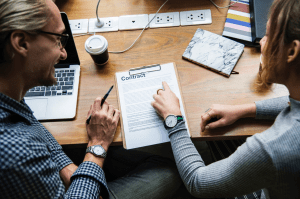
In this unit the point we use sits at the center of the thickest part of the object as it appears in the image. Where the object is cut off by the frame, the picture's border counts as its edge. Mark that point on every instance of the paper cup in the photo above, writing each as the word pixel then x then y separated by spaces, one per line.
pixel 96 46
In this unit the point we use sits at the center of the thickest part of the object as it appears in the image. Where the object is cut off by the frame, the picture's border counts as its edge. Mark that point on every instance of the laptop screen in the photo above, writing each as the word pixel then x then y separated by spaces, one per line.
pixel 72 58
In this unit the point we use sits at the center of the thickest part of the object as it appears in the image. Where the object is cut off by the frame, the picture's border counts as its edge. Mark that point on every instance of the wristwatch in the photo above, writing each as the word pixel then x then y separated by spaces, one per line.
pixel 97 150
pixel 172 120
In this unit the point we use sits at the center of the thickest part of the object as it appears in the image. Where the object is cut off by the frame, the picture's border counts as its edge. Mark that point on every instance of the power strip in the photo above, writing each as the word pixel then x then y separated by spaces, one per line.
pixel 165 20
pixel 134 22
pixel 110 24
pixel 79 26
pixel 195 17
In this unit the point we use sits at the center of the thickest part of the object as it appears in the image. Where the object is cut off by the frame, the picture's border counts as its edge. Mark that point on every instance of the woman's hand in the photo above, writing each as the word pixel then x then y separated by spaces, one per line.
pixel 225 115
pixel 166 103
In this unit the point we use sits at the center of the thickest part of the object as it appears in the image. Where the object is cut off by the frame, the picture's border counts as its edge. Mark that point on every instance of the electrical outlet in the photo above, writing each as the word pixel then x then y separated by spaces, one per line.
pixel 132 22
pixel 164 20
pixel 110 24
pixel 198 17
pixel 79 26
pixel 195 17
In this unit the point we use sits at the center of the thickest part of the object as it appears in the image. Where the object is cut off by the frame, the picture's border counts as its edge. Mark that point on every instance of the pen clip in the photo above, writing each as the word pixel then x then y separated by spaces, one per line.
pixel 144 69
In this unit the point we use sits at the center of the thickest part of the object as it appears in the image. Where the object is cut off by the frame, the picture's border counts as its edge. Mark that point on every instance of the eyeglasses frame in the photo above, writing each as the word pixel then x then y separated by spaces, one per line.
pixel 63 44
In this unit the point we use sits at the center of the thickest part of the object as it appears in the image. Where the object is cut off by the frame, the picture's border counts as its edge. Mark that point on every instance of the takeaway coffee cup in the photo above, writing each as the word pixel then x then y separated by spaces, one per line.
pixel 96 46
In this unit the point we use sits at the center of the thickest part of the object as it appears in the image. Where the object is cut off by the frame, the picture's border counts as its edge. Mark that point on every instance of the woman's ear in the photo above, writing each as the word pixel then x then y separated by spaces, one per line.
pixel 293 51
pixel 19 42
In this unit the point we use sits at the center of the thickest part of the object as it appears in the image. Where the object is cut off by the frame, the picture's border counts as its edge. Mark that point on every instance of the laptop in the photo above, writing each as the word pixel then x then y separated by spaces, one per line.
pixel 58 101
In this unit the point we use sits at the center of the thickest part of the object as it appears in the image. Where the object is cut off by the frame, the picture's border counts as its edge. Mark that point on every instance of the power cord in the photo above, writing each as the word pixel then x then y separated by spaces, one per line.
pixel 225 6
pixel 98 23
pixel 117 52
pixel 140 33
pixel 77 35
pixel 154 17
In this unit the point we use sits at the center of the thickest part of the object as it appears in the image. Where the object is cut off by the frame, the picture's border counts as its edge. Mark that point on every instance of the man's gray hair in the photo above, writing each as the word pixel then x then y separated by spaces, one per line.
pixel 26 15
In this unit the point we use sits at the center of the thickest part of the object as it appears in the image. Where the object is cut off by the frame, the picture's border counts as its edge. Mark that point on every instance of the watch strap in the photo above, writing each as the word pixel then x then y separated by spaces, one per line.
pixel 90 149
pixel 179 119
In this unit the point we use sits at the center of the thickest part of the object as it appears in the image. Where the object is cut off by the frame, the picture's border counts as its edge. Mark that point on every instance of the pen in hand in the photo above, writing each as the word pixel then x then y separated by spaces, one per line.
pixel 102 101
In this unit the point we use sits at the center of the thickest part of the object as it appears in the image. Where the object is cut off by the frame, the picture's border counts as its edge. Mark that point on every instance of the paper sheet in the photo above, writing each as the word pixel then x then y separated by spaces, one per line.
pixel 141 123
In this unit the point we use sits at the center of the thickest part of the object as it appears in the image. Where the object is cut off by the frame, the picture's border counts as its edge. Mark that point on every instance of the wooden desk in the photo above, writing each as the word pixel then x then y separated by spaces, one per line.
pixel 200 87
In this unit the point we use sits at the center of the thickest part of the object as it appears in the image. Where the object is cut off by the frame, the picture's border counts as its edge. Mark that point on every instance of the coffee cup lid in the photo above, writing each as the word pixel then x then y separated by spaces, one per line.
pixel 96 44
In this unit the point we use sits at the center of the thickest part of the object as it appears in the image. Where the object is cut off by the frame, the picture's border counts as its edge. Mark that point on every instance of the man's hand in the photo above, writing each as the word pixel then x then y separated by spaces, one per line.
pixel 225 115
pixel 103 124
pixel 166 103
pixel 66 174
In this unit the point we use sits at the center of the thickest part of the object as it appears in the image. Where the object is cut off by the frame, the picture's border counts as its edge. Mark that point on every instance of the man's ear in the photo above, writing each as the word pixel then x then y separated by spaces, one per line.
pixel 20 42
pixel 293 51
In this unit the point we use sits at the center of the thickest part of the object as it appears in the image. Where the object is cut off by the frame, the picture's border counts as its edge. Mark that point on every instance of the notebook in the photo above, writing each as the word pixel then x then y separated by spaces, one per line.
pixel 237 24
pixel 58 101
pixel 214 52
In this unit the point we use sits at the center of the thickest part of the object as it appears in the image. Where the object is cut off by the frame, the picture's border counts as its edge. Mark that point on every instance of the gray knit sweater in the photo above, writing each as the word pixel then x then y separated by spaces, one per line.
pixel 269 160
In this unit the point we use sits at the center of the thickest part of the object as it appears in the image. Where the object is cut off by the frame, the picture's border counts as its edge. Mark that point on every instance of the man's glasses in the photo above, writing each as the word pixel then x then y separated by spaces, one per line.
pixel 63 37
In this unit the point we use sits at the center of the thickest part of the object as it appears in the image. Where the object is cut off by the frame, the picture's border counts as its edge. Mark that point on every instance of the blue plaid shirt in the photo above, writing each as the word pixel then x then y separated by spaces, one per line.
pixel 30 159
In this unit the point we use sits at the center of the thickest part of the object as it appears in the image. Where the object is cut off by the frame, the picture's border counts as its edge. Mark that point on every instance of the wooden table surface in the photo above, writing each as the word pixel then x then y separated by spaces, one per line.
pixel 200 87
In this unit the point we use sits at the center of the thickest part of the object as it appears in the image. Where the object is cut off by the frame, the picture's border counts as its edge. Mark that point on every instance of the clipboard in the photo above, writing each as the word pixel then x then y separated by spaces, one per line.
pixel 137 74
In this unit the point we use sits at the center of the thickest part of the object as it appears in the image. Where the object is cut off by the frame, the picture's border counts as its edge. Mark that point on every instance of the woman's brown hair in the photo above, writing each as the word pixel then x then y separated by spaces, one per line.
pixel 284 26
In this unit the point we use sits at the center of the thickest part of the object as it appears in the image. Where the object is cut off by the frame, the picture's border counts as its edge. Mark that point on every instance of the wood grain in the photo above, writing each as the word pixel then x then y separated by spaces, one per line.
pixel 200 87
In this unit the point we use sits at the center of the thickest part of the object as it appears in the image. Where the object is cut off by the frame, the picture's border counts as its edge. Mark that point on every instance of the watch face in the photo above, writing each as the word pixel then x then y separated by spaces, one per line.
pixel 171 121
pixel 98 150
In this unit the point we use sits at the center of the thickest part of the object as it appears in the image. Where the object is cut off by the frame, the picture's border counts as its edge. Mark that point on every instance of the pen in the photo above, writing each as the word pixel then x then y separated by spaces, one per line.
pixel 102 101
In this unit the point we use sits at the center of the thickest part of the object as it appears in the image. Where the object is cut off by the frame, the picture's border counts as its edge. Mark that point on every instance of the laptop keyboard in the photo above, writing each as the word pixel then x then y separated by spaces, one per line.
pixel 64 86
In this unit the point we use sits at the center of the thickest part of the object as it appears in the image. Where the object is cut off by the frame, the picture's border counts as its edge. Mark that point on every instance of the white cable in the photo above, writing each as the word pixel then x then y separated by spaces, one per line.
pixel 147 24
pixel 77 35
pixel 97 10
pixel 225 6
pixel 141 32
pixel 98 23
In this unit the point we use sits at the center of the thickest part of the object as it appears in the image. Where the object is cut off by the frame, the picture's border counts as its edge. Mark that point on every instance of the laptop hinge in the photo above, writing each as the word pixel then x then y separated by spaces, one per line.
pixel 62 66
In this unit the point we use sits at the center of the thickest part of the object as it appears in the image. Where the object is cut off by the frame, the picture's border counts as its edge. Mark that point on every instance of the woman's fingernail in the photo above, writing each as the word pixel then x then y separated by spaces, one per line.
pixel 207 127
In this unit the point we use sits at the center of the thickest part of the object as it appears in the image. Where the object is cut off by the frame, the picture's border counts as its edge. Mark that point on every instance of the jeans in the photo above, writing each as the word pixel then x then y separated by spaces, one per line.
pixel 135 174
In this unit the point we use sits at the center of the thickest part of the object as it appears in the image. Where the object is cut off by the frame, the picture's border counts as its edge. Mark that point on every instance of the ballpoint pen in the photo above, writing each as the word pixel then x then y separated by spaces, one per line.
pixel 102 101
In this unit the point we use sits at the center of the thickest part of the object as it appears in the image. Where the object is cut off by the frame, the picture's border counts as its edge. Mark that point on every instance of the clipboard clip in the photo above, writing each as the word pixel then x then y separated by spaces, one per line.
pixel 144 69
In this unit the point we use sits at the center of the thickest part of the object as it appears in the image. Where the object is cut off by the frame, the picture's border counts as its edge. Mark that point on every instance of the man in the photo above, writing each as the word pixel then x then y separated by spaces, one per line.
pixel 32 163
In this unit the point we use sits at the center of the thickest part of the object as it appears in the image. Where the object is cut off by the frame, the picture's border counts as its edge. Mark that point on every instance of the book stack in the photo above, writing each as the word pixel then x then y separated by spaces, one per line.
pixel 237 24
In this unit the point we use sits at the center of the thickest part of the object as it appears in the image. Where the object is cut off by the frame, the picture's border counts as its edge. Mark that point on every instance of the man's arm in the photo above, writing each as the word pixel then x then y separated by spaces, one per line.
pixel 100 130
pixel 64 163
pixel 27 169
pixel 66 173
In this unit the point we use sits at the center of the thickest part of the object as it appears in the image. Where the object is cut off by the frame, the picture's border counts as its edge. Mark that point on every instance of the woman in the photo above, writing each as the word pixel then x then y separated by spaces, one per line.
pixel 269 160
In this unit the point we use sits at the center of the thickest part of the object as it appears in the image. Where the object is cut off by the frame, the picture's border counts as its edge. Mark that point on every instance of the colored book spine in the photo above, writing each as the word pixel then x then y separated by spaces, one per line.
pixel 237 24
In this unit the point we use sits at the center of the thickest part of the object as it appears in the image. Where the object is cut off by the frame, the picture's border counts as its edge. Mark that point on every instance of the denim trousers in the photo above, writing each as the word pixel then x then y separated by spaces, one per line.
pixel 140 175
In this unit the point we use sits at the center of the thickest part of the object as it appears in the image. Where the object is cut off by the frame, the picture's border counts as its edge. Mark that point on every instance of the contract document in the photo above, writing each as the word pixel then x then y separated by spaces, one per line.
pixel 141 124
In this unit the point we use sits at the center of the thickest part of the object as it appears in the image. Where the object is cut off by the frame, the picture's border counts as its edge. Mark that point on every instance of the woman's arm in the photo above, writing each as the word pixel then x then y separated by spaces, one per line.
pixel 248 169
pixel 270 108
